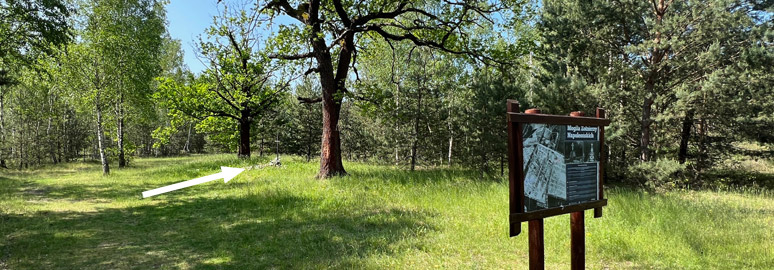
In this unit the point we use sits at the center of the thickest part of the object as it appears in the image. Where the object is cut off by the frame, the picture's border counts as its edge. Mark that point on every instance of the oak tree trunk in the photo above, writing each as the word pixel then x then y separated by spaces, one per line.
pixel 330 149
pixel 244 137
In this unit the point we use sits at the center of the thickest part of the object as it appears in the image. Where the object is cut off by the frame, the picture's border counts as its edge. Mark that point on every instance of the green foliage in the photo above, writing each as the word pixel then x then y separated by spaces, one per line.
pixel 410 94
pixel 301 133
pixel 28 29
pixel 239 86
pixel 682 77
pixel 659 174
pixel 101 80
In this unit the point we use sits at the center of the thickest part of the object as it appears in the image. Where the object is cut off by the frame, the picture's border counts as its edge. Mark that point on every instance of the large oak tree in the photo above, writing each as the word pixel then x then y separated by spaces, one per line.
pixel 326 34
pixel 240 84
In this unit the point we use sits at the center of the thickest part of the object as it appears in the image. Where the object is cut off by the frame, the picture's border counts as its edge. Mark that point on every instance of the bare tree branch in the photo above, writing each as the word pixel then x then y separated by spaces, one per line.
pixel 311 70
pixel 342 13
pixel 429 43
pixel 284 6
pixel 292 56
pixel 242 57
pixel 304 100
pixel 383 15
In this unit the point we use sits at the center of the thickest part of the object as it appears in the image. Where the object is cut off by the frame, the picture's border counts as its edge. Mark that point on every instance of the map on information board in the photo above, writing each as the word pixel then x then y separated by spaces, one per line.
pixel 561 165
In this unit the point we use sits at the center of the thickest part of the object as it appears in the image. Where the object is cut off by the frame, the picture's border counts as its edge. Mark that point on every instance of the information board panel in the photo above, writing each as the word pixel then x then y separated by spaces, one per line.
pixel 561 165
pixel 555 165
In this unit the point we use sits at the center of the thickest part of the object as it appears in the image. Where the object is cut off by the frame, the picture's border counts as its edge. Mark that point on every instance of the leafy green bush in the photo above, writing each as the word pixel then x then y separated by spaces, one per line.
pixel 659 174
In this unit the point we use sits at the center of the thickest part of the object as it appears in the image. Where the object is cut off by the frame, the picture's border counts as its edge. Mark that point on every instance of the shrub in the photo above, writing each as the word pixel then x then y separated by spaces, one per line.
pixel 659 174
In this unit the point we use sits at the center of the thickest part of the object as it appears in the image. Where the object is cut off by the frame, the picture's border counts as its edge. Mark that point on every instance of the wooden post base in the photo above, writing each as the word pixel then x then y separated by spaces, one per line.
pixel 577 241
pixel 536 254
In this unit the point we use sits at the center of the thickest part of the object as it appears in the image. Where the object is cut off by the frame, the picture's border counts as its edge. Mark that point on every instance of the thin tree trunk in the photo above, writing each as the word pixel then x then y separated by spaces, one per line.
pixel 51 142
pixel 20 150
pixel 37 143
pixel 417 118
pixel 120 127
pixel 702 133
pixel 451 143
pixel 187 147
pixel 65 149
pixel 278 146
pixel 451 133
pixel 415 141
pixel 310 139
pixel 645 129
pixel 121 154
pixel 24 154
pixel 59 151
pixel 397 126
pixel 14 149
pixel 484 161
pixel 685 136
pixel 2 128
pixel 100 137
pixel 413 154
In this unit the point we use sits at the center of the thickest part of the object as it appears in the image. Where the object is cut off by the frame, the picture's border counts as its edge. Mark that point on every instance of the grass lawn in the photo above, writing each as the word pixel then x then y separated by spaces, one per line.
pixel 378 217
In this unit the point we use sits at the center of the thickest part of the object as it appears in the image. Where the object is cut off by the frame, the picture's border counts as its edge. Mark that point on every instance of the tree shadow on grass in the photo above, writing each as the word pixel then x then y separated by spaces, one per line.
pixel 8 184
pixel 99 190
pixel 270 230
pixel 95 192
pixel 188 166
pixel 740 178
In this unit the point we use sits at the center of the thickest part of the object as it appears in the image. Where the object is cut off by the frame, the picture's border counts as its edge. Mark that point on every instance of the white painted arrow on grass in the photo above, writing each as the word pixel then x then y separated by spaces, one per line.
pixel 227 173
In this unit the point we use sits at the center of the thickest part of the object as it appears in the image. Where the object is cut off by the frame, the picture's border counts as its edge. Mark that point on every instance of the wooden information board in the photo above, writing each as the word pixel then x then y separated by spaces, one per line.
pixel 556 164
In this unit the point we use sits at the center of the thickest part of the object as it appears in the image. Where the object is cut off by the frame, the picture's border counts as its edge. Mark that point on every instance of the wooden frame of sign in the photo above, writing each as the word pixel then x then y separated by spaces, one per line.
pixel 563 174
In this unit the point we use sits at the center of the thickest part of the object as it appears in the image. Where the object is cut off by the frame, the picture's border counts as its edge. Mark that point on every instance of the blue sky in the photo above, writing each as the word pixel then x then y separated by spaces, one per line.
pixel 187 20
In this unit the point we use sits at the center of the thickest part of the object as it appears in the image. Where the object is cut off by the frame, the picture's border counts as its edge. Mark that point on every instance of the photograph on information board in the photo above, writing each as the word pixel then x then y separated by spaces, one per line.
pixel 561 165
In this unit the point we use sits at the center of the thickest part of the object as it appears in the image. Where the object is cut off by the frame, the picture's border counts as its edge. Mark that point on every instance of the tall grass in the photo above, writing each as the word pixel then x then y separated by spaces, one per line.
pixel 378 217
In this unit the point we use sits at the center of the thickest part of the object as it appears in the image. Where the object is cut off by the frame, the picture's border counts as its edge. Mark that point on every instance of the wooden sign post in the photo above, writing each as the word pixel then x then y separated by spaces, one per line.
pixel 556 164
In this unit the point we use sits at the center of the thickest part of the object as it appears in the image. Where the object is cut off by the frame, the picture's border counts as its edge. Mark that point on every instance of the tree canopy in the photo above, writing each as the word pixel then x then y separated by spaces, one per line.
pixel 687 84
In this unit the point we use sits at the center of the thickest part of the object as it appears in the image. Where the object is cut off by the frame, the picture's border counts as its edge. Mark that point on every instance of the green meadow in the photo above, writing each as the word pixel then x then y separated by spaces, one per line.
pixel 379 217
